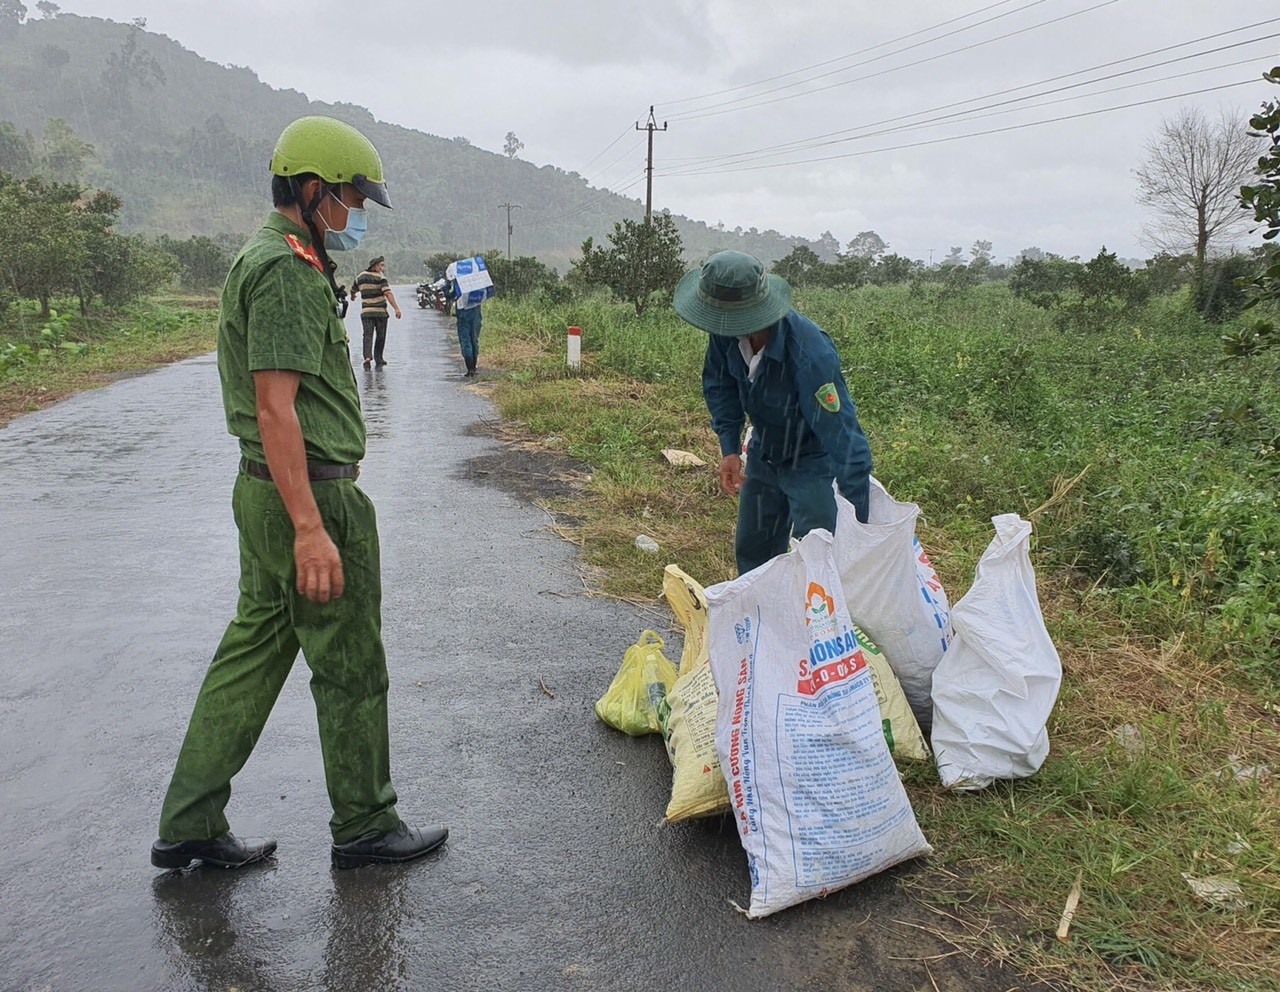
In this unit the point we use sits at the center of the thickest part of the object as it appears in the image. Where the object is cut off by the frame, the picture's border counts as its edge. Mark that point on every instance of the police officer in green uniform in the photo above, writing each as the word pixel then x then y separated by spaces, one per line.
pixel 767 362
pixel 310 575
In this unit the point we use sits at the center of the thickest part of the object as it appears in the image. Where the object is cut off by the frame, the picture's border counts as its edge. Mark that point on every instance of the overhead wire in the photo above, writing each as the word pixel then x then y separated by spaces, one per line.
pixel 841 58
pixel 864 130
pixel 603 150
pixel 599 197
pixel 716 110
pixel 966 116
pixel 972 134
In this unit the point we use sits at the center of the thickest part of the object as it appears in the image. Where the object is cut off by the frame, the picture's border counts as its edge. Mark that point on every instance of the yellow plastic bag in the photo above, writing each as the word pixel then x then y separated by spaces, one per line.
pixel 642 683
pixel 688 714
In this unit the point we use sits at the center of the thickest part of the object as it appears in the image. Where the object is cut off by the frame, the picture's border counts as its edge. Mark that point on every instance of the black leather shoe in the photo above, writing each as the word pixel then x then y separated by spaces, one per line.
pixel 227 851
pixel 402 844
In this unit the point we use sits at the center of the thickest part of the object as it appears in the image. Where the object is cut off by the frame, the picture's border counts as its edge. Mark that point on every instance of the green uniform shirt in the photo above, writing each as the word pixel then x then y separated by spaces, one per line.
pixel 278 312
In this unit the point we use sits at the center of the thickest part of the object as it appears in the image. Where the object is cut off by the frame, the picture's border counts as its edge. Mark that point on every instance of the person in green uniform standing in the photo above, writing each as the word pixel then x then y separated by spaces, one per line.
pixel 310 573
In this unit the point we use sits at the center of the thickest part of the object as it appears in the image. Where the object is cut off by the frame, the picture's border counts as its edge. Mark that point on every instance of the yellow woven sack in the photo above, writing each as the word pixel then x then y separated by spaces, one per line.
pixel 642 683
pixel 901 729
pixel 688 714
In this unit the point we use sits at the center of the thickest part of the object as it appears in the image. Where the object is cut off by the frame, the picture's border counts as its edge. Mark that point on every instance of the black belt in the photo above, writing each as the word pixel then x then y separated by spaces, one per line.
pixel 316 471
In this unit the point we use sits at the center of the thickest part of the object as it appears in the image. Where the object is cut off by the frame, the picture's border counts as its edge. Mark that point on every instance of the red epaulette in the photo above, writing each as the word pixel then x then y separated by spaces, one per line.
pixel 304 252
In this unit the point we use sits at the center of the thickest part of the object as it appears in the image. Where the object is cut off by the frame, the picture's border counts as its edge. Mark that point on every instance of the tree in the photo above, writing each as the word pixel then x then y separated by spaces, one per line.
pixel 522 276
pixel 799 267
pixel 48 10
pixel 1106 292
pixel 129 67
pixel 892 269
pixel 53 58
pixel 827 247
pixel 1262 196
pixel 42 243
pixel 980 255
pixel 954 257
pixel 202 262
pixel 644 262
pixel 868 245
pixel 513 145
pixel 12 13
pixel 1192 177
pixel 17 151
pixel 62 152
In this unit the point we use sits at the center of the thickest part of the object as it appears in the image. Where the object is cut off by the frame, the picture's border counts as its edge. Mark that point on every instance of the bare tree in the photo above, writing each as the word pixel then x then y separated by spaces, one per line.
pixel 1192 177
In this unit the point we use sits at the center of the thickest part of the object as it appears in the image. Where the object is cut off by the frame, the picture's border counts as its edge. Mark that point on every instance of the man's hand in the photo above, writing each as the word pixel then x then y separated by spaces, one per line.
pixel 731 476
pixel 316 559
pixel 319 565
pixel 397 313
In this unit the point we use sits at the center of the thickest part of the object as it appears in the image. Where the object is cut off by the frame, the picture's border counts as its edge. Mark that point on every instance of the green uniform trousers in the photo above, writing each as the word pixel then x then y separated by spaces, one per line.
pixel 342 643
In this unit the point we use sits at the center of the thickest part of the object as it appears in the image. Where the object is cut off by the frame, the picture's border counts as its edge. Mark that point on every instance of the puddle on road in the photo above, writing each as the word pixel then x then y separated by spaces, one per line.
pixel 522 469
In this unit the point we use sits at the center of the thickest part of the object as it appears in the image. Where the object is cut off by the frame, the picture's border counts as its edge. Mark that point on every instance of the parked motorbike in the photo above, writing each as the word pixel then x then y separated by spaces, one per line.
pixel 432 294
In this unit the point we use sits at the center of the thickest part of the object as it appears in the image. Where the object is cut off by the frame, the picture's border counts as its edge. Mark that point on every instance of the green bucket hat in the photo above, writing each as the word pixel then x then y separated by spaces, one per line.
pixel 732 295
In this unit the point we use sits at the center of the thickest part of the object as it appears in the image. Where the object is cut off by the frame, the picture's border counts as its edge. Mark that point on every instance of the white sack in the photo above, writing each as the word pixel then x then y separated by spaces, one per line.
pixel 472 282
pixel 893 593
pixel 995 689
pixel 817 800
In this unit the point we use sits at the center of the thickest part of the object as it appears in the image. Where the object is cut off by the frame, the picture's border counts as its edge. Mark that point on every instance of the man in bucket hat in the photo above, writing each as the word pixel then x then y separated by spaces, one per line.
pixel 769 363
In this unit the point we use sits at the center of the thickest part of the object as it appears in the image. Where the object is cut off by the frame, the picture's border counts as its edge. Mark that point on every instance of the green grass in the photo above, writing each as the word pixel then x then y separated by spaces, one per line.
pixel 43 360
pixel 1157 570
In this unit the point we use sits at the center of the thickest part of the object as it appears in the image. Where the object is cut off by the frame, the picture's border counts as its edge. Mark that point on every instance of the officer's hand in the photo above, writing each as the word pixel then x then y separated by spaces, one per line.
pixel 319 565
pixel 731 474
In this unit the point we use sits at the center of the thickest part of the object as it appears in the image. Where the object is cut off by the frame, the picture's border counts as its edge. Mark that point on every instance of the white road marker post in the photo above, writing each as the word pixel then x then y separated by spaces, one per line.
pixel 575 347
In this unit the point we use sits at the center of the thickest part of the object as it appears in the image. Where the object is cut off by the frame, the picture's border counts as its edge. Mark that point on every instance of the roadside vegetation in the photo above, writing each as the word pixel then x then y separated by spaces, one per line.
pixel 1150 466
pixel 44 359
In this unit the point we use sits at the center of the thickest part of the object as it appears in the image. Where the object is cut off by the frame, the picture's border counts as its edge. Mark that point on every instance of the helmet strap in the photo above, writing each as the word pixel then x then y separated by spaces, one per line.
pixel 317 240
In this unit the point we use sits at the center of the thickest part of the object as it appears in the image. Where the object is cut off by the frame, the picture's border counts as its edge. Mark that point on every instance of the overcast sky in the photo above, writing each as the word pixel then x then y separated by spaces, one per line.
pixel 732 77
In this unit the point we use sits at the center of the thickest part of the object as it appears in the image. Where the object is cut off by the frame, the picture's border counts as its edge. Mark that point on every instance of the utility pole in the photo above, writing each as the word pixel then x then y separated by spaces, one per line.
pixel 509 207
pixel 651 126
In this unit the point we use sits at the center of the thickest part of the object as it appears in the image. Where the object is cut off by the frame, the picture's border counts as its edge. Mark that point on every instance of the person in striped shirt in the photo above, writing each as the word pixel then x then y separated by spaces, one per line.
pixel 375 293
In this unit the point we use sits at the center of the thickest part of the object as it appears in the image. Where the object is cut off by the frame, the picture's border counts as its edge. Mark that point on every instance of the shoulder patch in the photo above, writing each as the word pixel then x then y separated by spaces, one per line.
pixel 304 252
pixel 828 398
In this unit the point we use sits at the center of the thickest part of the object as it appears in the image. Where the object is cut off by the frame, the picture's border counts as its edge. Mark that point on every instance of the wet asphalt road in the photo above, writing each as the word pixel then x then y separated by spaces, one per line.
pixel 119 571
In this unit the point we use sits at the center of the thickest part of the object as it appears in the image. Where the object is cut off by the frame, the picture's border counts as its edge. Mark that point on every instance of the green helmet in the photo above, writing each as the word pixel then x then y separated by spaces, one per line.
pixel 334 151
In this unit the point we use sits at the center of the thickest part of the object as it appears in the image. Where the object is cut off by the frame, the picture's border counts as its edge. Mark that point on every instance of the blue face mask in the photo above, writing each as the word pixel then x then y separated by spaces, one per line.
pixel 349 237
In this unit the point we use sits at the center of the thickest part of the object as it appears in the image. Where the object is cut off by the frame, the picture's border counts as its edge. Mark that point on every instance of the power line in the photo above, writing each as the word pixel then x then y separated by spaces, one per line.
pixel 623 134
pixel 932 113
pixel 728 108
pixel 841 58
pixel 600 197
pixel 973 134
pixel 1013 89
pixel 602 171
pixel 965 116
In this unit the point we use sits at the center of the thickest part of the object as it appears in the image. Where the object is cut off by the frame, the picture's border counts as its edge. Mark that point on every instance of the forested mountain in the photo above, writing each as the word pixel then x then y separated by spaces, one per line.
pixel 185 142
